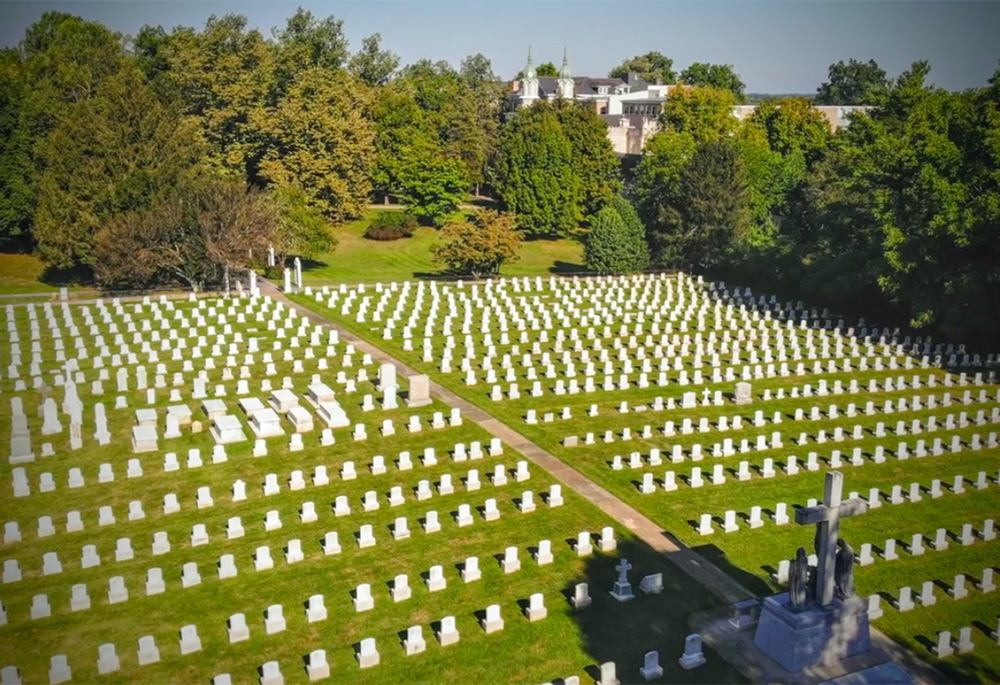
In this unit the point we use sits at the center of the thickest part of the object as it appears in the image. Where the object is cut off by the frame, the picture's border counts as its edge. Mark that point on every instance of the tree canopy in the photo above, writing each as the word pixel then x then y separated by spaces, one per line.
pixel 715 75
pixel 853 83
pixel 653 67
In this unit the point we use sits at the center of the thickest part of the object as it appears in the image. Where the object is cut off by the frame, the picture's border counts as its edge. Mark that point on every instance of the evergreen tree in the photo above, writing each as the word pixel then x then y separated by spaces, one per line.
pixel 535 178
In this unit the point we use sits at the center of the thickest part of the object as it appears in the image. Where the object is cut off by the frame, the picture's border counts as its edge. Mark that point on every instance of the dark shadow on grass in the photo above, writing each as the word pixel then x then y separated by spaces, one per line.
pixel 561 268
pixel 622 632
pixel 78 275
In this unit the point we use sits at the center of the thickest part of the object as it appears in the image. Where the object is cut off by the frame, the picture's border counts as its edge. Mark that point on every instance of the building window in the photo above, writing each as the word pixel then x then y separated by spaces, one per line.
pixel 602 90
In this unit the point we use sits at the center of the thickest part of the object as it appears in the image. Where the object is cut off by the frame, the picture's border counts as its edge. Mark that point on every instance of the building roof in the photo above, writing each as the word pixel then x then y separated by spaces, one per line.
pixel 614 120
pixel 585 85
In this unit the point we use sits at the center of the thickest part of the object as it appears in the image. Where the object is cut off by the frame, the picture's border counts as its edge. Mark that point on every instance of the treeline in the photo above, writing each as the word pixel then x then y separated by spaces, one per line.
pixel 185 155
pixel 897 214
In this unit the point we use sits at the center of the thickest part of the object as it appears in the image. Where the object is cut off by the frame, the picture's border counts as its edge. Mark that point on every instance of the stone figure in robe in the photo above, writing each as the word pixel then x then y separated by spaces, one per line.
pixel 798 580
pixel 844 569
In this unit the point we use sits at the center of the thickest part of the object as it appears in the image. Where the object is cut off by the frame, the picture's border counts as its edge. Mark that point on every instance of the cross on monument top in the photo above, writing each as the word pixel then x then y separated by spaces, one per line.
pixel 826 517
pixel 623 568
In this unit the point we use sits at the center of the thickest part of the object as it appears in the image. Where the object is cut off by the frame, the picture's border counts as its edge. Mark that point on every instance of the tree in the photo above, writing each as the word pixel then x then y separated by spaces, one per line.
pixel 535 178
pixel 433 185
pixel 544 69
pixel 16 173
pixel 478 245
pixel 793 126
pixel 854 83
pixel 637 249
pixel 199 235
pixel 147 48
pixel 665 157
pixel 302 229
pixel 318 138
pixel 709 211
pixel 715 75
pixel 223 74
pixel 475 129
pixel 704 112
pixel 61 62
pixel 400 128
pixel 307 43
pixel 593 157
pixel 120 151
pixel 614 247
pixel 653 67
pixel 371 65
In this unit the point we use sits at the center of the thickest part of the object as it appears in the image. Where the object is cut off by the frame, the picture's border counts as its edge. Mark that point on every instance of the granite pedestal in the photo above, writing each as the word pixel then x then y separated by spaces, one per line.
pixel 798 639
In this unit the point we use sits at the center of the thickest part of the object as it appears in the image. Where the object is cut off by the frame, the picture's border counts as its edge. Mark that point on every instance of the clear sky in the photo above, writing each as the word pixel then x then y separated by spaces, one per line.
pixel 775 46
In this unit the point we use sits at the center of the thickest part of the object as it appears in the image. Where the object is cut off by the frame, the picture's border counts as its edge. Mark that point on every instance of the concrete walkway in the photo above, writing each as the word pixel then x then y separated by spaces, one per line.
pixel 735 646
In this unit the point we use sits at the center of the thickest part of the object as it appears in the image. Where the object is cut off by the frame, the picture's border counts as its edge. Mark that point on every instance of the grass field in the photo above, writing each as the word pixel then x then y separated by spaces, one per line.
pixel 359 260
pixel 751 555
pixel 565 643
pixel 22 273
pixel 355 260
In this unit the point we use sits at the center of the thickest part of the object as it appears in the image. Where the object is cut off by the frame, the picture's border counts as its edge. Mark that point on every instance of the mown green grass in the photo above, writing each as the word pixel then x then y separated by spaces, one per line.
pixel 751 555
pixel 22 273
pixel 359 260
pixel 563 644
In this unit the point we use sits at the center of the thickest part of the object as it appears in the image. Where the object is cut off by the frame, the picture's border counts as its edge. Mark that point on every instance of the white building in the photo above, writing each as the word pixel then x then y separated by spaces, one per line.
pixel 631 107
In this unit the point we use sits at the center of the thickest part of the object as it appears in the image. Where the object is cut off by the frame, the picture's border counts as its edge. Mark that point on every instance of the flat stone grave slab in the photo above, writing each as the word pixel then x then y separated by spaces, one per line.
pixel 249 405
pixel 143 439
pixel 266 423
pixel 214 408
pixel 283 400
pixel 301 419
pixel 181 412
pixel 333 415
pixel 227 429
pixel 320 393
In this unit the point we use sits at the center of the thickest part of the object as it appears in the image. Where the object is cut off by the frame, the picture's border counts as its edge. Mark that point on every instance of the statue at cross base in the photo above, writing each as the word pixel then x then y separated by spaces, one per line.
pixel 826 517
pixel 820 619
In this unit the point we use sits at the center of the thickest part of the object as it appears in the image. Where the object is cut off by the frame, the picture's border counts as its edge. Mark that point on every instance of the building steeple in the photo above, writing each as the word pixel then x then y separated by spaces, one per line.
pixel 529 84
pixel 529 69
pixel 564 85
pixel 564 70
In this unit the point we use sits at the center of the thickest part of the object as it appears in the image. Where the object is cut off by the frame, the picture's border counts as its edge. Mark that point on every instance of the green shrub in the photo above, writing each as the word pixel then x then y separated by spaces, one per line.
pixel 391 226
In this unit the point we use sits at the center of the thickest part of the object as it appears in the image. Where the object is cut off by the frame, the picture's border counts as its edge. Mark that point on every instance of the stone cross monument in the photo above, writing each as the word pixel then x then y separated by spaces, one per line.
pixel 800 629
pixel 826 517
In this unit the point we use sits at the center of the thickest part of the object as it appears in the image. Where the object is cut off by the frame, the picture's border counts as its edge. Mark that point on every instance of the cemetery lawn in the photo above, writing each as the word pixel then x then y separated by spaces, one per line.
pixel 752 555
pixel 22 273
pixel 359 260
pixel 565 643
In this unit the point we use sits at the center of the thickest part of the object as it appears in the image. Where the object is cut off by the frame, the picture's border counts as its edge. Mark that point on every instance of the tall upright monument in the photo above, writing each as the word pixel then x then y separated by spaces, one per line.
pixel 821 618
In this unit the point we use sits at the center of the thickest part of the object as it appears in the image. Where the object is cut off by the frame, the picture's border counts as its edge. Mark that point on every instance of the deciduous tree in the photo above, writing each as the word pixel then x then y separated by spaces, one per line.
pixel 715 75
pixel 652 67
pixel 223 74
pixel 318 138
pixel 853 83
pixel 704 112
pixel 433 185
pixel 478 245
pixel 372 65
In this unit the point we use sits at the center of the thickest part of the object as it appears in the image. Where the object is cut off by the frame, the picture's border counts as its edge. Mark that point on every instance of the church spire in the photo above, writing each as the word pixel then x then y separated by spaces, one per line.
pixel 564 86
pixel 564 70
pixel 529 68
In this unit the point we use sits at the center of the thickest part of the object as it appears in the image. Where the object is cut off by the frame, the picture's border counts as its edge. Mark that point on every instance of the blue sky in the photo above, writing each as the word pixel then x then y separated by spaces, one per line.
pixel 776 46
